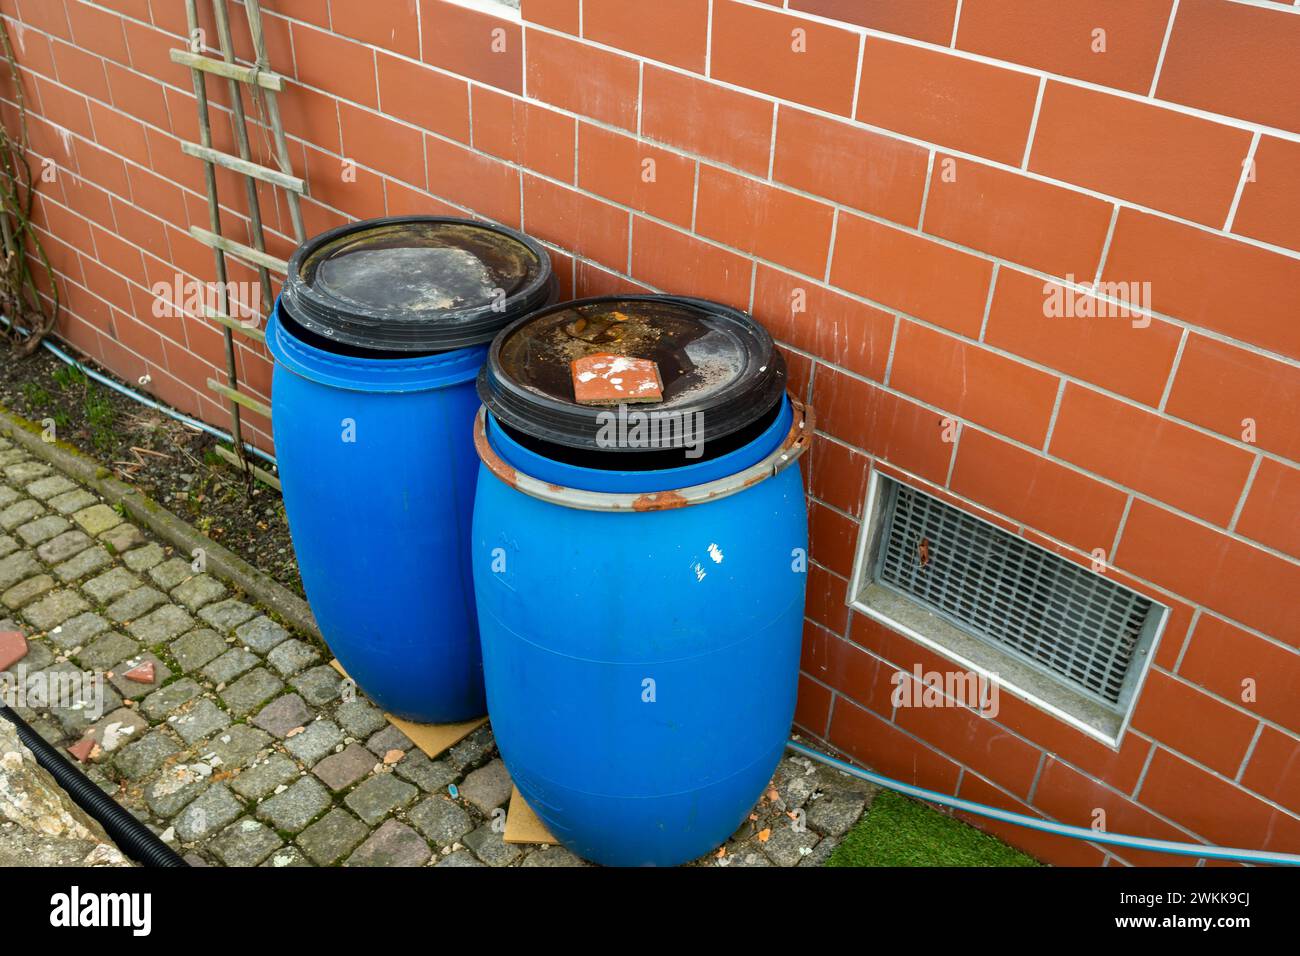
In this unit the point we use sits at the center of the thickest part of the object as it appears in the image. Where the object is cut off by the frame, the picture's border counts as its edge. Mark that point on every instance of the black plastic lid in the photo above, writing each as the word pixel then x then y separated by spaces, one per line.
pixel 712 360
pixel 415 284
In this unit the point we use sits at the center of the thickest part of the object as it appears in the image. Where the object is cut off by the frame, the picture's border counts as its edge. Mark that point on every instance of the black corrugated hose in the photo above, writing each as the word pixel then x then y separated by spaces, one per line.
pixel 131 836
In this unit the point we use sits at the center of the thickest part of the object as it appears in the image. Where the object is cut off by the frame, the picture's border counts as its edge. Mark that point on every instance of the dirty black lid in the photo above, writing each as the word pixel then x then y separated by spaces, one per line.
pixel 712 359
pixel 415 284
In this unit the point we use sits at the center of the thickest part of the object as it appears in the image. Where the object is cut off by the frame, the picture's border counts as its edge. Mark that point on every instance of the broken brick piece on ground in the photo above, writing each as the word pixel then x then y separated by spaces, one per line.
pixel 605 379
pixel 13 648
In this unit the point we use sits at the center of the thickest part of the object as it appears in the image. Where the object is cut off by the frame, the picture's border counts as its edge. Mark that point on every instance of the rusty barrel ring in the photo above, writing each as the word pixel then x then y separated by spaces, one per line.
pixel 796 442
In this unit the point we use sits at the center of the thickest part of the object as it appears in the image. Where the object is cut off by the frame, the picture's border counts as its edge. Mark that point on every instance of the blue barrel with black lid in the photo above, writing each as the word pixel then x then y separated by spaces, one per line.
pixel 639 570
pixel 378 335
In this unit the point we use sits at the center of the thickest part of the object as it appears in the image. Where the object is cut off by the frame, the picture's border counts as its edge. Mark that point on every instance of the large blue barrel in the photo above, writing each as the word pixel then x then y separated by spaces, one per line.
pixel 373 435
pixel 641 635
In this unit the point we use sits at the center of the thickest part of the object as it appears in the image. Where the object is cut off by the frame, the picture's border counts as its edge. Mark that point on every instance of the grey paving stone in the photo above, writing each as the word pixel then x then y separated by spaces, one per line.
pixel 788 846
pixel 236 747
pixel 360 718
pixel 552 856
pixel 380 796
pixel 170 698
pixel 142 559
pixel 142 757
pixel 87 562
pixel 15 567
pixel 430 776
pixel 162 625
pixel 441 820
pixel 19 513
pixel 292 656
pixel 198 591
pixel 78 631
pixel 490 848
pixel 471 750
pixel 226 615
pixel 835 812
pixel 171 573
pixel 332 837
pixel 46 488
pixel 459 858
pixel 115 730
pixel 283 715
pixel 318 686
pixel 106 651
pixel 8 496
pixel 110 585
pixel 63 546
pixel 821 852
pixel 341 770
pixel 209 813
pixel 173 788
pixel 230 665
pixel 291 810
pixel 97 519
pixel 70 501
pixel 261 634
pixel 198 720
pixel 197 648
pixel 390 738
pixel 133 689
pixel 42 529
pixel 487 787
pixel 135 603
pixel 25 592
pixel 55 608
pixel 246 842
pixel 87 703
pixel 261 778
pixel 123 538
pixel 290 856
pixel 252 690
pixel 8 545
pixel 393 844
pixel 316 741
pixel 26 472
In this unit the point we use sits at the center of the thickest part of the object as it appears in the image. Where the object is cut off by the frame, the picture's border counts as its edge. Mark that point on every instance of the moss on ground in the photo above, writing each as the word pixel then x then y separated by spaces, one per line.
pixel 898 831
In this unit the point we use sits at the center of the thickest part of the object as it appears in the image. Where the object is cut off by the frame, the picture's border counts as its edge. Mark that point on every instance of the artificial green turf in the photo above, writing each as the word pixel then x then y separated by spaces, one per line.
pixel 899 831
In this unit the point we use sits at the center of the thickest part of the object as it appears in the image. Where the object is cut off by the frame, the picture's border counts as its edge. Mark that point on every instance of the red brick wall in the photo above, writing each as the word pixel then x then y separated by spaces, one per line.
pixel 922 172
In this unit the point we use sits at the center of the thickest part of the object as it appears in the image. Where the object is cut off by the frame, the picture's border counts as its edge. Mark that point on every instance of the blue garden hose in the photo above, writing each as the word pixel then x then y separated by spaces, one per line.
pixel 1048 826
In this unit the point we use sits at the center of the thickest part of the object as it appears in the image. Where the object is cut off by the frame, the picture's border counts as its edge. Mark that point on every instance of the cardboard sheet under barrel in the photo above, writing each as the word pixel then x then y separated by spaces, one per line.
pixel 433 739
pixel 523 825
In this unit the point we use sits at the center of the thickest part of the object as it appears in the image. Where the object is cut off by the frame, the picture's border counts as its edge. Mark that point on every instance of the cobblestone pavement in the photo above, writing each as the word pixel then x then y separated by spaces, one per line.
pixel 246 748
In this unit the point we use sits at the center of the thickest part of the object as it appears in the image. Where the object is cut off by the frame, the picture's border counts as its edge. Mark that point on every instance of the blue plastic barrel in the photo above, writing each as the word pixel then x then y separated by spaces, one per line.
pixel 373 435
pixel 641 635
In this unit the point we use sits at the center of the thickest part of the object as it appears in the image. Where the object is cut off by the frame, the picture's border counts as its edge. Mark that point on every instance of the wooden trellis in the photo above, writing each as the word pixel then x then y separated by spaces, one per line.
pixel 265 85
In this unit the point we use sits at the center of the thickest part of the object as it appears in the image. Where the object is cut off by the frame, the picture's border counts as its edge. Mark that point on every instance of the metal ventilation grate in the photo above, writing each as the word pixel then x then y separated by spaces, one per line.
pixel 1079 627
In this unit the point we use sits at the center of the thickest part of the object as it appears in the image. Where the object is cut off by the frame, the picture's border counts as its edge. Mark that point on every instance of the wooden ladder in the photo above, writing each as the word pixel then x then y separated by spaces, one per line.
pixel 266 84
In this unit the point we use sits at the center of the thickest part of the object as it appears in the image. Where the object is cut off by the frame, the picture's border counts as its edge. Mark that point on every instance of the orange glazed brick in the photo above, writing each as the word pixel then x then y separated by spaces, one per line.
pixel 833 538
pixel 826 598
pixel 424 97
pixel 382 145
pixel 1258 674
pixel 1270 202
pixel 1245 293
pixel 1274 768
pixel 678 263
pixel 1130 354
pixel 1060 38
pixel 855 673
pixel 1035 491
pixel 78 69
pixel 1194 723
pixel 1151 454
pixel 474 44
pixel 1234 59
pixel 636 174
pixel 1055 230
pixel 674 31
pixel 474 180
pixel 1270 515
pixel 929 20
pixel 764 220
pixel 583 79
pixel 701 117
pixel 1204 565
pixel 882 424
pixel 605 379
pixel 1059 851
pixel 958 103
pixel 96 30
pixel 524 133
pixel 839 475
pixel 1239 394
pixel 321 58
pixel 792 58
pixel 388 24
pixel 858 167
pixel 878 744
pixel 563 15
pixel 973 383
pixel 911 273
pixel 571 220
pixel 1156 157
pixel 813 707
pixel 852 334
